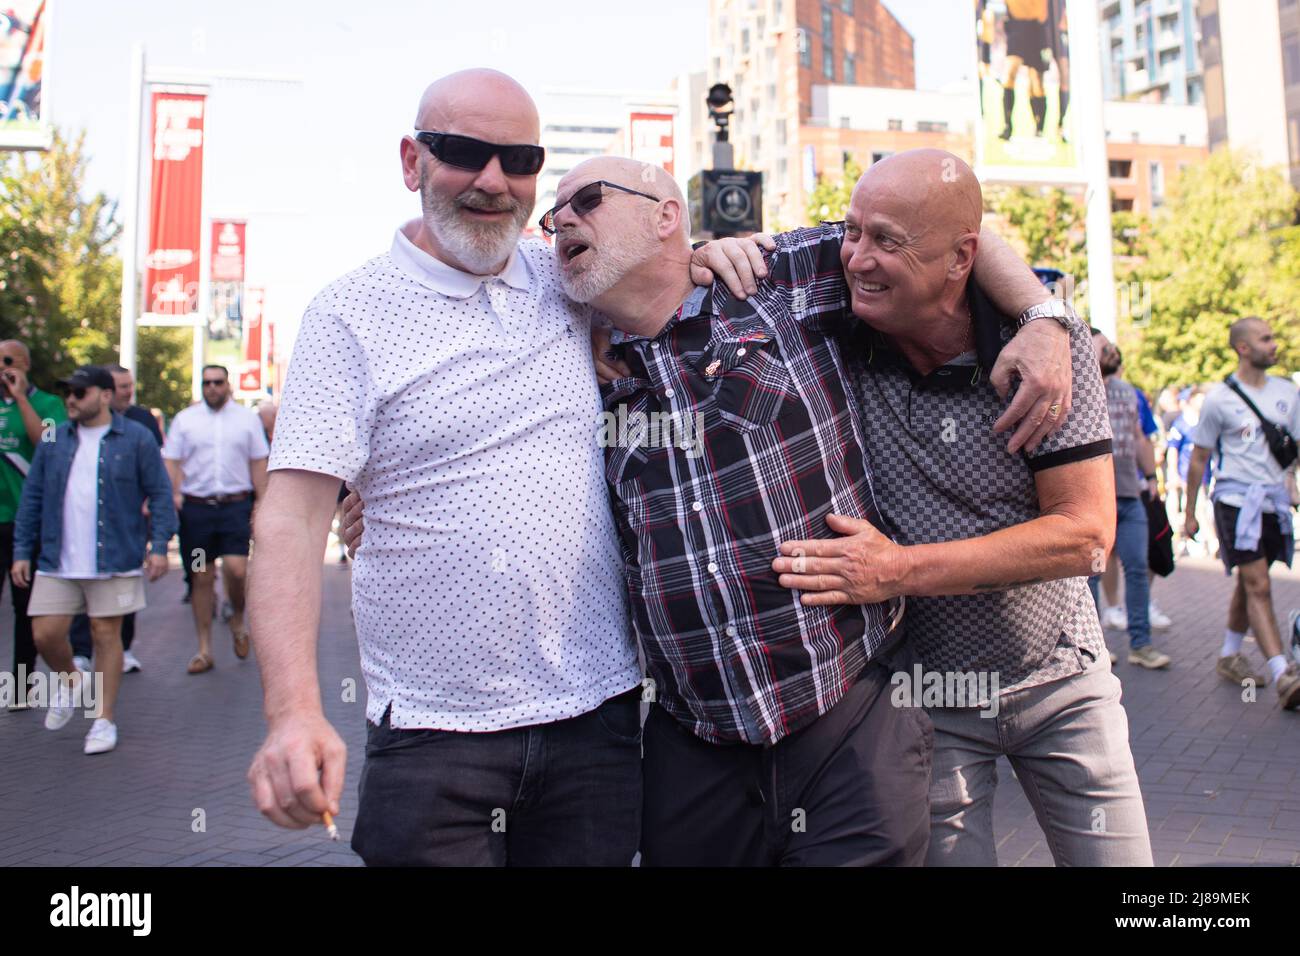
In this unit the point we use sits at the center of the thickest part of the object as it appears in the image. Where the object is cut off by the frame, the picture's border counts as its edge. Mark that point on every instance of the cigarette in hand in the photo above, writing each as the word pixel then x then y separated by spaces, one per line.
pixel 330 828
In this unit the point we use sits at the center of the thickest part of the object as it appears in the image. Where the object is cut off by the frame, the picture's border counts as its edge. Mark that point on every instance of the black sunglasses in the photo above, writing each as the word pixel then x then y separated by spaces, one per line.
pixel 584 201
pixel 78 393
pixel 214 381
pixel 465 152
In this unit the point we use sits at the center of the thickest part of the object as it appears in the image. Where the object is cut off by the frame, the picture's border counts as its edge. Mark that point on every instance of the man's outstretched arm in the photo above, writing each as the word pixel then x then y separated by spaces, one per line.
pixel 1070 538
pixel 298 773
pixel 1038 357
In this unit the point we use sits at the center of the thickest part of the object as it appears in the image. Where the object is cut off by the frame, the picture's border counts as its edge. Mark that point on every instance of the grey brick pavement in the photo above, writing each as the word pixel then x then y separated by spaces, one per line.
pixel 1220 777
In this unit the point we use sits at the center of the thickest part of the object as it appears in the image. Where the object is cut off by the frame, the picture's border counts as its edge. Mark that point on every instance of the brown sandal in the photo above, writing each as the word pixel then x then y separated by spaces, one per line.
pixel 241 643
pixel 200 663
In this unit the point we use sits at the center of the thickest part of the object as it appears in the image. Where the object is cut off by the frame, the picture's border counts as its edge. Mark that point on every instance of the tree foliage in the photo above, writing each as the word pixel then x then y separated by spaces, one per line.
pixel 1224 245
pixel 61 278
pixel 829 200
pixel 1050 224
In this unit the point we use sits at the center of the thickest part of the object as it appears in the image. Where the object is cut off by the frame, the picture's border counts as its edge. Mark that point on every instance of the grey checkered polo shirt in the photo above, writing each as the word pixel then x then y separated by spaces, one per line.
pixel 942 475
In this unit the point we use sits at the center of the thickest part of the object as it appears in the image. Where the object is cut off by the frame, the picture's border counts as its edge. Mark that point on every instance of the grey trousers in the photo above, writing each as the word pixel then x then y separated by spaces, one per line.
pixel 1068 743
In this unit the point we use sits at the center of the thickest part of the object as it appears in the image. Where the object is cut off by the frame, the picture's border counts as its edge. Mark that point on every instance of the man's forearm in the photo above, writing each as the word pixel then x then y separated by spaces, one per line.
pixel 1004 277
pixel 257 472
pixel 174 474
pixel 1195 475
pixel 32 423
pixel 1146 456
pixel 1044 549
pixel 284 609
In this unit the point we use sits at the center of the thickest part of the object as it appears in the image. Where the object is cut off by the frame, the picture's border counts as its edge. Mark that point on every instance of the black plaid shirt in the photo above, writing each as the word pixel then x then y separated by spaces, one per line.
pixel 735 656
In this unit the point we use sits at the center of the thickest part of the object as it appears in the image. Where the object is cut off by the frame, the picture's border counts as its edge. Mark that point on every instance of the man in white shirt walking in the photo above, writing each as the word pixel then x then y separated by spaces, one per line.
pixel 216 456
pixel 1252 508
pixel 450 380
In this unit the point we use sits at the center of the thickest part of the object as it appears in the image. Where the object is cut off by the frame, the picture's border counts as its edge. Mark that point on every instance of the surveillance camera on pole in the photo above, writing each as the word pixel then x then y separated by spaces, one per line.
pixel 725 201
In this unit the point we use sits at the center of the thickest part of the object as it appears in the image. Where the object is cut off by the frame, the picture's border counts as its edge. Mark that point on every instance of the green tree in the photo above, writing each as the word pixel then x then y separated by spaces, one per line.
pixel 61 279
pixel 830 199
pixel 1049 223
pixel 1223 246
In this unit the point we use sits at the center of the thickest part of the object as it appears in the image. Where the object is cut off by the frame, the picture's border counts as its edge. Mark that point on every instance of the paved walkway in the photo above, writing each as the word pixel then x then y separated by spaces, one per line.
pixel 1221 777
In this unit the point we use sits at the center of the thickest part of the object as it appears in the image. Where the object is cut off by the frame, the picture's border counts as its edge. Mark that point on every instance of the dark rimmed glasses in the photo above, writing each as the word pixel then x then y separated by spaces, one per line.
pixel 584 201
pixel 465 152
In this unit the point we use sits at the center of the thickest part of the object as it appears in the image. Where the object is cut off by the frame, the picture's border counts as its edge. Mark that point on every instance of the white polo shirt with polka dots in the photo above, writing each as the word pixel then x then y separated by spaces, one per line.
pixel 488 589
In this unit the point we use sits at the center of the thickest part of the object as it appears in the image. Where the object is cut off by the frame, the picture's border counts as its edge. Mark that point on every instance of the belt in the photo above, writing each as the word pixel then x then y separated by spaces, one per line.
pixel 215 499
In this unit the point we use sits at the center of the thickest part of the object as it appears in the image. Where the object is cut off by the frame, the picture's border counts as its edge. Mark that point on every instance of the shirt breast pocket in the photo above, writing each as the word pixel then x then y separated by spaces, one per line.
pixel 625 435
pixel 754 383
pixel 121 467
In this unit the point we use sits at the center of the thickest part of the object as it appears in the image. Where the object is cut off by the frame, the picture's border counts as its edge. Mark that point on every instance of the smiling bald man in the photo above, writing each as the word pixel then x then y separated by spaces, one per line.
pixel 991 548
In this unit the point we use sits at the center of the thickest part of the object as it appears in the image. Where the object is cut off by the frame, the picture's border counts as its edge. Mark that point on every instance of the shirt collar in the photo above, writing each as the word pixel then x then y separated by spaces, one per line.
pixel 114 423
pixel 692 307
pixel 440 277
pixel 966 369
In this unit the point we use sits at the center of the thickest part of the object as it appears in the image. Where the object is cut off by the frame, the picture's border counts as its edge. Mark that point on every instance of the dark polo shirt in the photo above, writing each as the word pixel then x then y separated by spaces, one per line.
pixel 942 475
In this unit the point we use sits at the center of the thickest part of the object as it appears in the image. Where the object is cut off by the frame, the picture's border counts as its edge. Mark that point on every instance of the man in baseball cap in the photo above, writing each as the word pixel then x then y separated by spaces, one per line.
pixel 83 503
pixel 87 376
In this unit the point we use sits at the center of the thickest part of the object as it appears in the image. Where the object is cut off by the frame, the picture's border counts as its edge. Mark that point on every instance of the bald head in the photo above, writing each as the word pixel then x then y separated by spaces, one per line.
pixel 643 177
pixel 939 187
pixel 627 248
pixel 1241 331
pixel 1252 339
pixel 471 102
pixel 475 204
pixel 910 239
pixel 18 352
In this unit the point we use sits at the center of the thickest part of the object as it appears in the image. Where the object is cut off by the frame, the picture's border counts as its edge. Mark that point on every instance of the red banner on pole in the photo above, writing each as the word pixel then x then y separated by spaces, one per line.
pixel 650 139
pixel 171 279
pixel 227 251
pixel 250 368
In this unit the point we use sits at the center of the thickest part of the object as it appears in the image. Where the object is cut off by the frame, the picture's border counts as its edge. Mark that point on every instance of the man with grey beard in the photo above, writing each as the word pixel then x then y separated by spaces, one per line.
pixel 451 382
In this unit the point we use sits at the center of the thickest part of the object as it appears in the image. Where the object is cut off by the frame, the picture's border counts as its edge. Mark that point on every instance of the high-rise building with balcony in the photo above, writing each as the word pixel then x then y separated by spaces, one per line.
pixel 1149 51
pixel 774 54
pixel 1251 53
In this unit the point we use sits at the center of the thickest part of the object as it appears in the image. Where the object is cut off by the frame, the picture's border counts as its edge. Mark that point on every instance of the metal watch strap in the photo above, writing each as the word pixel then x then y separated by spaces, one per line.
pixel 1053 308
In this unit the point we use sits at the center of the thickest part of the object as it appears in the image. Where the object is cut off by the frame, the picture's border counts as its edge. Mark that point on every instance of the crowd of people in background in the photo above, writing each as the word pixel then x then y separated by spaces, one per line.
pixel 1207 473
pixel 91 496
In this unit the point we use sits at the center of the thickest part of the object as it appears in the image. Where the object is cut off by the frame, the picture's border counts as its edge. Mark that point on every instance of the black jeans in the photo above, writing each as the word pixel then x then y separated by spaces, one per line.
pixel 24 646
pixel 850 789
pixel 566 793
pixel 83 645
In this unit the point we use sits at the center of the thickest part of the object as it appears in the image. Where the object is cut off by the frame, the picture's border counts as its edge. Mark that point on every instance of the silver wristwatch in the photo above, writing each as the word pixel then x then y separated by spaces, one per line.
pixel 1053 308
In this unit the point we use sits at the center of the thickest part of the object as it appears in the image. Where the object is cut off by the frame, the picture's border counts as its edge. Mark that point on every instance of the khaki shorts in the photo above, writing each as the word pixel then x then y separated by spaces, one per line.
pixel 94 597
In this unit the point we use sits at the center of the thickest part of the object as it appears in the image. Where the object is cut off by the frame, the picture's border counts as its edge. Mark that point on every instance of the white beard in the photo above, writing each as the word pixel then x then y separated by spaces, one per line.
pixel 479 247
pixel 608 266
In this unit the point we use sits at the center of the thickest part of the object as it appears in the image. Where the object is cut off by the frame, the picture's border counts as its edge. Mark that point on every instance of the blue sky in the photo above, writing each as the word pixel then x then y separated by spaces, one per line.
pixel 313 165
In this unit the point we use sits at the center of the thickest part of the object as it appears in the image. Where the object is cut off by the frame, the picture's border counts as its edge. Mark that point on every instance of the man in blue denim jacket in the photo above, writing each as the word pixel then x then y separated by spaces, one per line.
pixel 84 503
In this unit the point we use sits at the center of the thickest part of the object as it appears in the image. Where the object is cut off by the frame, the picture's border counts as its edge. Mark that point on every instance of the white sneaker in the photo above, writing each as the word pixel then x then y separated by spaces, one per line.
pixel 102 737
pixel 130 662
pixel 1114 618
pixel 1158 618
pixel 63 702
pixel 81 663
